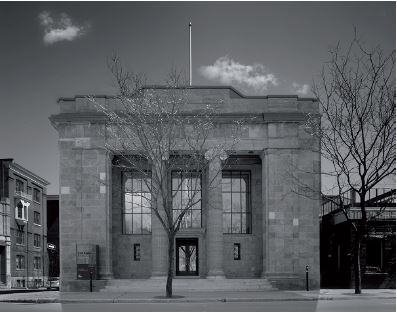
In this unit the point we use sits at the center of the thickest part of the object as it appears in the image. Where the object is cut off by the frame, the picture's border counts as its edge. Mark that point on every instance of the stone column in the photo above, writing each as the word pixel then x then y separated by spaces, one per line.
pixel 159 243
pixel 214 220
pixel 159 248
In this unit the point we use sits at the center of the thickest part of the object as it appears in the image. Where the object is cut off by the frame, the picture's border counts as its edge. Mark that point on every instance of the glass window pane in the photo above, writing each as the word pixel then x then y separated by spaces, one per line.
pixel 136 185
pixel 227 223
pixel 185 199
pixel 188 219
pixel 128 203
pixel 137 224
pixel 226 202
pixel 175 214
pixel 182 261
pixel 128 185
pixel 136 203
pixel 196 197
pixel 146 203
pixel 127 223
pixel 236 223
pixel 175 182
pixel 146 223
pixel 244 183
pixel 185 184
pixel 226 184
pixel 236 207
pixel 192 258
pixel 196 183
pixel 244 223
pixel 176 201
pixel 196 218
pixel 197 206
pixel 243 202
pixel 235 184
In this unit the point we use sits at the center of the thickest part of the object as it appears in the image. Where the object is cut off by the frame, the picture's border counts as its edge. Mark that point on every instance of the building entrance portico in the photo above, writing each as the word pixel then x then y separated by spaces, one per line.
pixel 187 257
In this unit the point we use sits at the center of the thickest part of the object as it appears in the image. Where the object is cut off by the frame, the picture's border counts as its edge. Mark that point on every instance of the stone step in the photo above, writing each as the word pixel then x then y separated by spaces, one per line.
pixel 142 285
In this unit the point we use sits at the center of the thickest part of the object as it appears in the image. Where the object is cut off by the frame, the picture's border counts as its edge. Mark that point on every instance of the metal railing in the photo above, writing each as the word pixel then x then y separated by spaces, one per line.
pixel 376 199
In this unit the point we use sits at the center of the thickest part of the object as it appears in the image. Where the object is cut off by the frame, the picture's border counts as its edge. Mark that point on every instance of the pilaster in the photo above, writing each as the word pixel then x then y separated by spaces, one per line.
pixel 214 220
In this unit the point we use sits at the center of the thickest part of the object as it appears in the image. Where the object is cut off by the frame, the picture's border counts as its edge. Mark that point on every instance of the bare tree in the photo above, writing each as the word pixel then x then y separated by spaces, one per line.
pixel 356 93
pixel 154 131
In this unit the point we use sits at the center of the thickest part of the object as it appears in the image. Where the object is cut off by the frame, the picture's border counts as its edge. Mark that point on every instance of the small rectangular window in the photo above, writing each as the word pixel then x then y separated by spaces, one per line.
pixel 20 262
pixel 36 218
pixel 236 251
pixel 36 262
pixel 36 195
pixel 37 240
pixel 137 252
pixel 19 186
pixel 19 237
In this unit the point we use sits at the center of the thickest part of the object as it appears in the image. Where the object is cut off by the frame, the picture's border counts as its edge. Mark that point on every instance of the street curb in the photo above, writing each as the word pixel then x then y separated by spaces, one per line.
pixel 186 300
pixel 31 301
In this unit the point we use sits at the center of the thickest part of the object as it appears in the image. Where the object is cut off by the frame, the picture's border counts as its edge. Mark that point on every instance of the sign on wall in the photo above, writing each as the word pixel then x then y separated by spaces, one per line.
pixel 86 261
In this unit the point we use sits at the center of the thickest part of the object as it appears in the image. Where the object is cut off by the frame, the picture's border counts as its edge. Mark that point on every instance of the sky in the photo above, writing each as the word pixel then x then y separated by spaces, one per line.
pixel 50 50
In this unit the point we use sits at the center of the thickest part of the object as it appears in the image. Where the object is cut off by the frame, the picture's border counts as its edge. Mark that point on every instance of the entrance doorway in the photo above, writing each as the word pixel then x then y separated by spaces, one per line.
pixel 187 257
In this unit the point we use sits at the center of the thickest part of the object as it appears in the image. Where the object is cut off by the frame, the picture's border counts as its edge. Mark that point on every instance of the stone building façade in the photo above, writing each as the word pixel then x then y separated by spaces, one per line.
pixel 275 237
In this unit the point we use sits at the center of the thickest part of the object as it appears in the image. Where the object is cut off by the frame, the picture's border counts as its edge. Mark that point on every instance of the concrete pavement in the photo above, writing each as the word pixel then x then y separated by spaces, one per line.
pixel 196 296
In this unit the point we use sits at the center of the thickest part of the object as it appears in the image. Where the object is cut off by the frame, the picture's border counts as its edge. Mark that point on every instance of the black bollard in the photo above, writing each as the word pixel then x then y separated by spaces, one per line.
pixel 90 280
pixel 307 277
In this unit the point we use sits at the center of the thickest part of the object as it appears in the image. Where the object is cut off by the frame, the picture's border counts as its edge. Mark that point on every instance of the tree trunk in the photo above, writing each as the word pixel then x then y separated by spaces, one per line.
pixel 170 275
pixel 357 265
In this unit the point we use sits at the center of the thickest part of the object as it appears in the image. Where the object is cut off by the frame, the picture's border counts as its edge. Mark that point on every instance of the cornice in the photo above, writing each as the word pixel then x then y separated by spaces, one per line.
pixel 18 169
pixel 240 94
pixel 266 117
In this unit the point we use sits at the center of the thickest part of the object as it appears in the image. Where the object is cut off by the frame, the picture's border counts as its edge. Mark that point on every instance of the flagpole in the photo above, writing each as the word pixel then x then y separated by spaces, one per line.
pixel 190 53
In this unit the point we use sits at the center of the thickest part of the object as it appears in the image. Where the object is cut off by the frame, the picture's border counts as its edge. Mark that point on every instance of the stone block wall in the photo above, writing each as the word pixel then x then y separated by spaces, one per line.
pixel 285 235
pixel 84 196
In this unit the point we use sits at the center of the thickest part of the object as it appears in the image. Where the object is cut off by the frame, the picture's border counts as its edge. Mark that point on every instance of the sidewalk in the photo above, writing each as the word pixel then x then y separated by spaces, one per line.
pixel 196 297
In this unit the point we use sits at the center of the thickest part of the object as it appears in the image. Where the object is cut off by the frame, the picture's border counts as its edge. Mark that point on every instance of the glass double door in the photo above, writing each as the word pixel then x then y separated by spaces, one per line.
pixel 187 257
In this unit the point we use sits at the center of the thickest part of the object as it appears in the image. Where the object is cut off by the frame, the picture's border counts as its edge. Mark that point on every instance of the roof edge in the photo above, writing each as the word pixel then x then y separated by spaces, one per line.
pixel 25 171
pixel 240 94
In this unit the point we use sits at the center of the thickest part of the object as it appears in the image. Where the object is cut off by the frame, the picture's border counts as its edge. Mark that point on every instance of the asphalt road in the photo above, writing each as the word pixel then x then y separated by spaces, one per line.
pixel 360 305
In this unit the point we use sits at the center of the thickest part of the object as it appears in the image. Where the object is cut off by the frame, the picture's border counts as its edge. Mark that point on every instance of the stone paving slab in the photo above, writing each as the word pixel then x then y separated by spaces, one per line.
pixel 196 297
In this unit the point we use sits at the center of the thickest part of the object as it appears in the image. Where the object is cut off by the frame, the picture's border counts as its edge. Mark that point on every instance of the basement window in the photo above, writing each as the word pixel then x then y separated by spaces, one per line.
pixel 236 251
pixel 137 252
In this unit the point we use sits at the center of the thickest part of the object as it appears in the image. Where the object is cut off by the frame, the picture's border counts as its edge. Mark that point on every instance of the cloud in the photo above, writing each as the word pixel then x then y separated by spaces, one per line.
pixel 301 89
pixel 227 71
pixel 60 29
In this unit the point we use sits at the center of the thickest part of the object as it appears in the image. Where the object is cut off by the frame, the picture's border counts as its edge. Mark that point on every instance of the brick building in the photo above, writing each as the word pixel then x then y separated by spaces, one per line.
pixel 23 231
pixel 274 236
